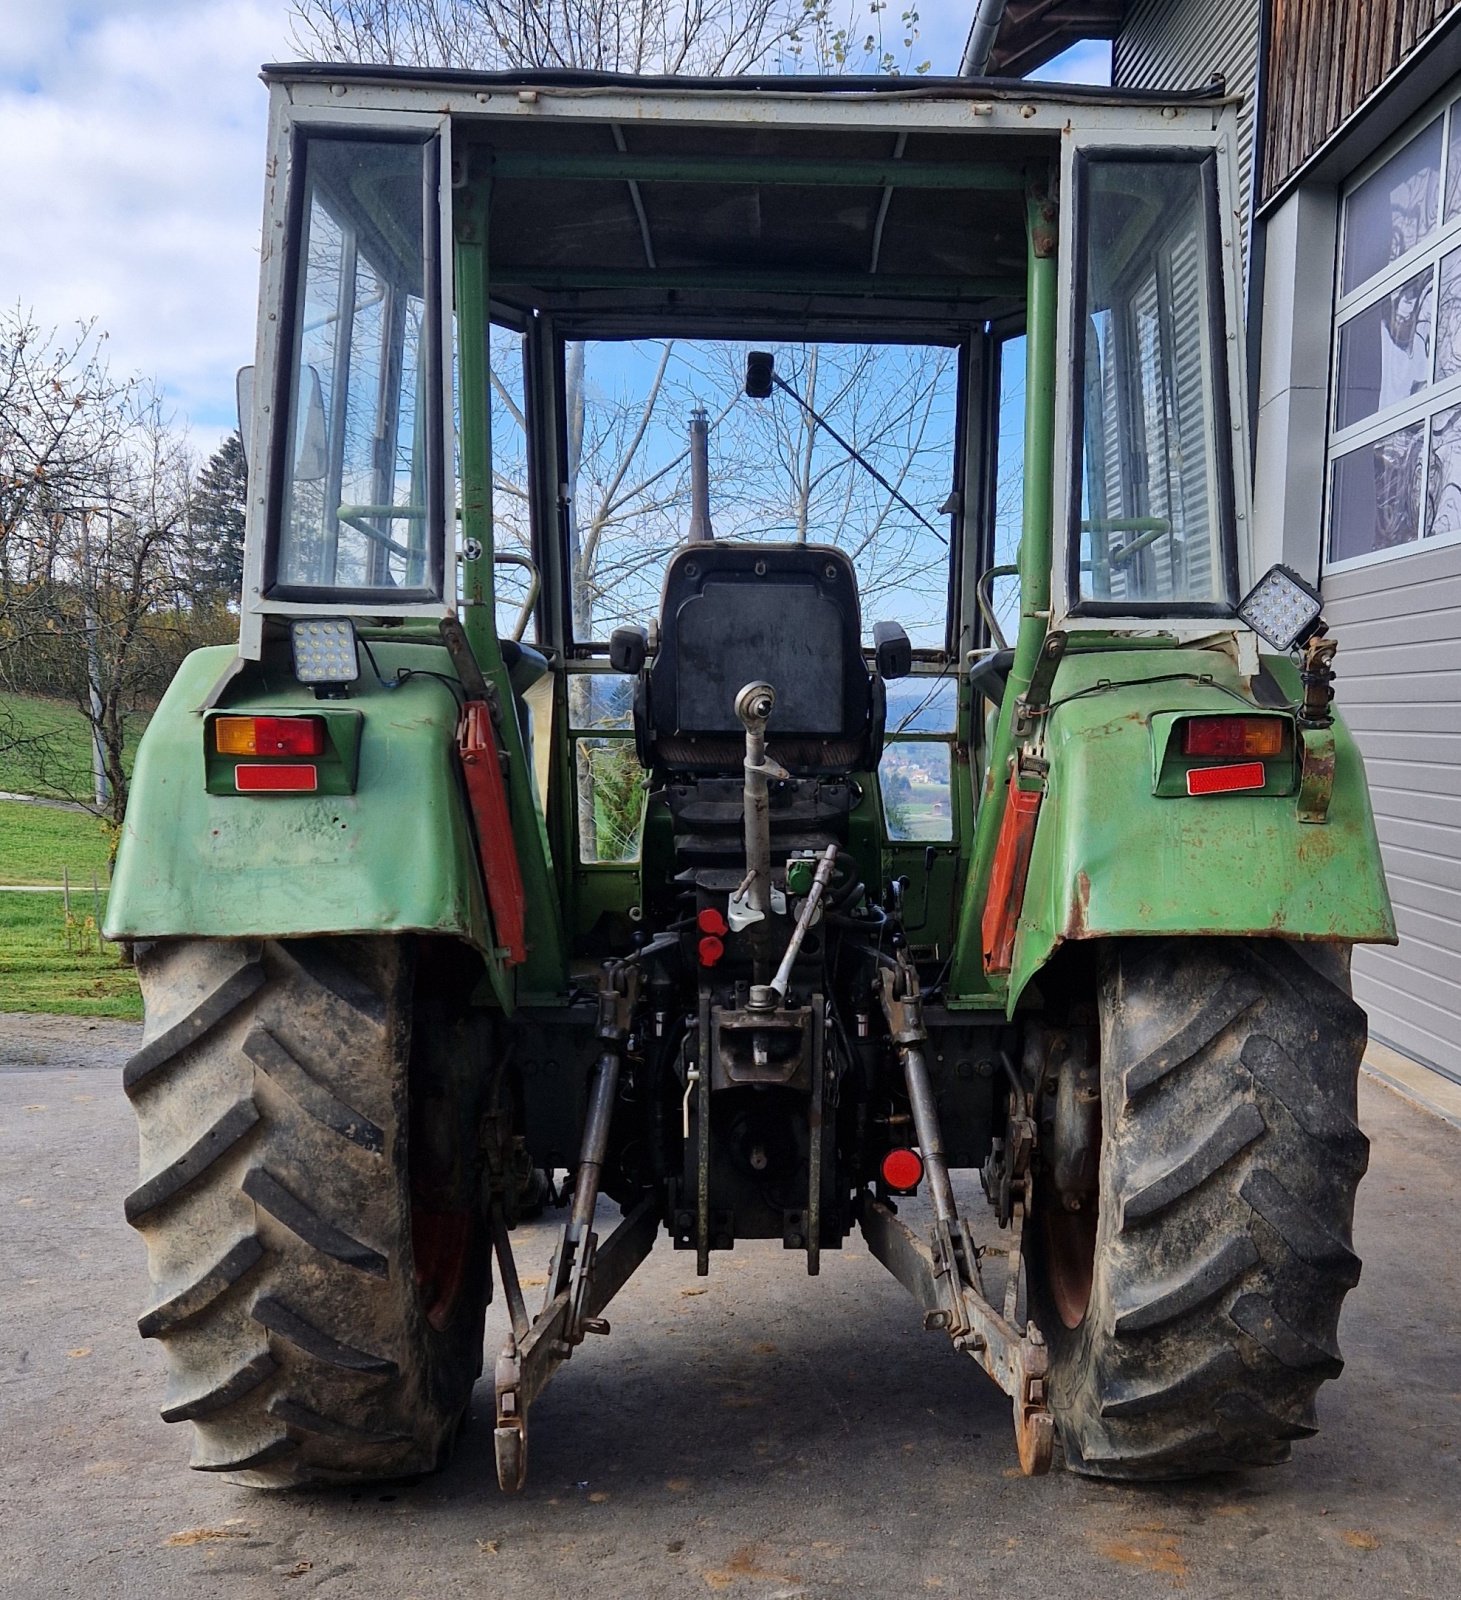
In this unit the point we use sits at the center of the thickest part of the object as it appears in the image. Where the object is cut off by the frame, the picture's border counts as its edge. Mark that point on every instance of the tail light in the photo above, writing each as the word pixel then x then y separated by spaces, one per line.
pixel 1232 736
pixel 902 1170
pixel 270 736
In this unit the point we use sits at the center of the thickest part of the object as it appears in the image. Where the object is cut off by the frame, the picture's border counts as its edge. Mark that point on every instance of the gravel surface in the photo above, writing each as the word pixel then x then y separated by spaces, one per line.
pixel 758 1434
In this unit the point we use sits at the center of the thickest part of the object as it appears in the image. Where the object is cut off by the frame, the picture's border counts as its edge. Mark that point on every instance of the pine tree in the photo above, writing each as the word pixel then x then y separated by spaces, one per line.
pixel 216 518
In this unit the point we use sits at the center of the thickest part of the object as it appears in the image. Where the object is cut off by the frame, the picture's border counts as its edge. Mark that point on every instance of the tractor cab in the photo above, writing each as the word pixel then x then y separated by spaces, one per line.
pixel 760 687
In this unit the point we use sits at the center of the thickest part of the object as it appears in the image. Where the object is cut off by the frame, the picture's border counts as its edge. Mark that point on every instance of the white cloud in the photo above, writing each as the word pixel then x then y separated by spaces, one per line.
pixel 132 181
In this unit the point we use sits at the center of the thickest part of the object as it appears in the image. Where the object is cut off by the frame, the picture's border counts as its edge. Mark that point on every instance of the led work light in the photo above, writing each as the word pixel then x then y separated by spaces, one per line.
pixel 1281 607
pixel 324 651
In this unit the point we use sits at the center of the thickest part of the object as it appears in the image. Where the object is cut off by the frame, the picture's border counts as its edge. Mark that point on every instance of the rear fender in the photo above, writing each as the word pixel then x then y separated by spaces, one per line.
pixel 394 856
pixel 1113 859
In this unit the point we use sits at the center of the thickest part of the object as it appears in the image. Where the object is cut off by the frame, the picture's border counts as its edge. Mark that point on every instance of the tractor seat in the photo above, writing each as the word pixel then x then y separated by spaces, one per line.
pixel 734 614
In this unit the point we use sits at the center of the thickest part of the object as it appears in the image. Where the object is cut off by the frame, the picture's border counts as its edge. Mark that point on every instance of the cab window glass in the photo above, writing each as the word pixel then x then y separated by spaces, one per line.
pixel 1154 524
pixel 775 473
pixel 514 573
pixel 360 504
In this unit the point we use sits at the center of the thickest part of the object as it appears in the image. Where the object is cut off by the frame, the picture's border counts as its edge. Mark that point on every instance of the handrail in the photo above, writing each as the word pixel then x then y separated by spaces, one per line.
pixel 984 599
pixel 514 558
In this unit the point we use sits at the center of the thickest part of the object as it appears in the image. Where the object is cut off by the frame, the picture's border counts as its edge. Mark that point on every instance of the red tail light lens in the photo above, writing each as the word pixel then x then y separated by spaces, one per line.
pixel 903 1170
pixel 270 736
pixel 1232 736
pixel 711 921
pixel 711 950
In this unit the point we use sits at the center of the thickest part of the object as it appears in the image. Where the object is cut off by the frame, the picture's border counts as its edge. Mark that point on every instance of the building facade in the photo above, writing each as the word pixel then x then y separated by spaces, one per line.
pixel 1351 162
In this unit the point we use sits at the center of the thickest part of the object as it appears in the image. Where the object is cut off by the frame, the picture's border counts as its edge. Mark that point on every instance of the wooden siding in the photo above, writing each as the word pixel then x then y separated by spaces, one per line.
pixel 1183 44
pixel 1326 57
pixel 1399 629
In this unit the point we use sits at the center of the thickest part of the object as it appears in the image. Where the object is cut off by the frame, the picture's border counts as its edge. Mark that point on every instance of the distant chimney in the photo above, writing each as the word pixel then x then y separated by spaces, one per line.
pixel 700 529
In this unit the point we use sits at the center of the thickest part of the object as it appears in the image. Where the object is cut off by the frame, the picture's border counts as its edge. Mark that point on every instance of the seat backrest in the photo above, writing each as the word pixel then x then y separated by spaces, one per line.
pixel 783 614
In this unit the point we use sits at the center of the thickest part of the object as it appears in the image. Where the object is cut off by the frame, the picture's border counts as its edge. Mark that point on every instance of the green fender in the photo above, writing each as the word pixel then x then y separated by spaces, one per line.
pixel 1110 858
pixel 396 855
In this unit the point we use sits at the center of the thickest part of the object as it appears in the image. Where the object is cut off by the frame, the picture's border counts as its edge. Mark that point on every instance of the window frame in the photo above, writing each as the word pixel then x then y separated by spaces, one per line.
pixel 1443 240
pixel 578 651
pixel 1225 510
pixel 265 430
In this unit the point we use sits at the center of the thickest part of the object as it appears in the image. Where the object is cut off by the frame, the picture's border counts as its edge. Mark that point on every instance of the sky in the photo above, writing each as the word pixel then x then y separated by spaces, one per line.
pixel 131 183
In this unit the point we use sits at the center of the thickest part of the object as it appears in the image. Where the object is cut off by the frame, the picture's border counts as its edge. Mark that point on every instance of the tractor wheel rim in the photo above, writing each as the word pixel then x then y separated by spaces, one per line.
pixel 441 1243
pixel 1069 1239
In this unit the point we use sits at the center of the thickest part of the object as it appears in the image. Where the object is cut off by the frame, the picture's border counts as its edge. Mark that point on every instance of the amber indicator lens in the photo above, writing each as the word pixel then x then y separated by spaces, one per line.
pixel 270 736
pixel 1232 736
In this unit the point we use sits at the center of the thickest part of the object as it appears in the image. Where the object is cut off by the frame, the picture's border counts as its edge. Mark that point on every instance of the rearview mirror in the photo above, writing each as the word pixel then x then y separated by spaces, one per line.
pixel 310 431
pixel 892 652
pixel 760 371
pixel 628 650
pixel 243 386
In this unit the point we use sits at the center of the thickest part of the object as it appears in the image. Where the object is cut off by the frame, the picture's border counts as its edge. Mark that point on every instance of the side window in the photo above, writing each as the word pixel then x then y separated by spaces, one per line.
pixel 1003 593
pixel 360 504
pixel 611 785
pixel 1155 483
pixel 916 773
pixel 514 572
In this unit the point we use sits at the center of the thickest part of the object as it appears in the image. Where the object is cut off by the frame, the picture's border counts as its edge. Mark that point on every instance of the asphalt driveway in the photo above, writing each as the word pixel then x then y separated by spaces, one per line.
pixel 757 1434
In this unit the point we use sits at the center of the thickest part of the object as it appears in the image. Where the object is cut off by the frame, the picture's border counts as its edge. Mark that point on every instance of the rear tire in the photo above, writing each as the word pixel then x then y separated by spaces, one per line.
pixel 1230 1156
pixel 272 1097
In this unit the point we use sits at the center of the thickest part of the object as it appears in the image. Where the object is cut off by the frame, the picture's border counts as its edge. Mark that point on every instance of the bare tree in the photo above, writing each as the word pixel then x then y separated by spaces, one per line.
pixel 126 548
pixel 709 38
pixel 99 599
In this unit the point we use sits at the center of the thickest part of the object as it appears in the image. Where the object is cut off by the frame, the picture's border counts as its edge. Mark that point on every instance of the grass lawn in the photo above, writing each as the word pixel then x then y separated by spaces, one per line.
pixel 47 964
pixel 38 842
pixel 45 747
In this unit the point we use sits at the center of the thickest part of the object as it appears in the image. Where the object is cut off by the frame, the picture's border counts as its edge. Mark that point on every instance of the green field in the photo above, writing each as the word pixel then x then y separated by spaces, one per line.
pixel 45 747
pixel 47 962
pixel 44 844
pixel 50 964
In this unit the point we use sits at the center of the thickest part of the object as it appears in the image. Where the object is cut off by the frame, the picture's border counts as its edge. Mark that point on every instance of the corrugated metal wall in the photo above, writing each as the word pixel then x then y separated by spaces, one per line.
pixel 1399 687
pixel 1325 58
pixel 1180 44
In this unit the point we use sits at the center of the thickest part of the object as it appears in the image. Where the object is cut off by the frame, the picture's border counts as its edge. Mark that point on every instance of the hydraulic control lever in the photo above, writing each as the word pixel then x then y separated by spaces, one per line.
pixel 767 996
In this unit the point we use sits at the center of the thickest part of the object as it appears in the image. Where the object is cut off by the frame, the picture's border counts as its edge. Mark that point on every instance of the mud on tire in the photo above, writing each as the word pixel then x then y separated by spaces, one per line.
pixel 1230 1156
pixel 272 1096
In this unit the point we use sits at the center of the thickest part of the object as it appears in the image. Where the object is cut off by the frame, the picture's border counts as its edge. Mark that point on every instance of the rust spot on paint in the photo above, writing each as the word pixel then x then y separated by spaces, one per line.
pixel 1075 926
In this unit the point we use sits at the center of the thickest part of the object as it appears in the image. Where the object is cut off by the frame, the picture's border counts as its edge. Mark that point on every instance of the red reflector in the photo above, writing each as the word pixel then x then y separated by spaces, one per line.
pixel 711 921
pixel 1223 780
pixel 711 950
pixel 274 779
pixel 1232 736
pixel 903 1170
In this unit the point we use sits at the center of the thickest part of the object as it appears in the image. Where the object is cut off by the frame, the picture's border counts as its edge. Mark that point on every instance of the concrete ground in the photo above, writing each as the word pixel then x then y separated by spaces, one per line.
pixel 758 1434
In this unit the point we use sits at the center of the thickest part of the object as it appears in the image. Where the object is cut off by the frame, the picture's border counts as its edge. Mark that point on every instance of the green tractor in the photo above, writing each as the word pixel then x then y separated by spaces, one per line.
pixel 519 857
